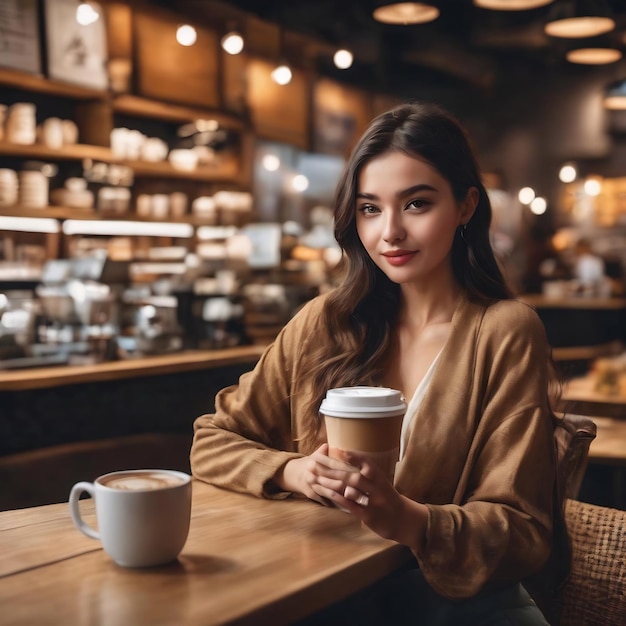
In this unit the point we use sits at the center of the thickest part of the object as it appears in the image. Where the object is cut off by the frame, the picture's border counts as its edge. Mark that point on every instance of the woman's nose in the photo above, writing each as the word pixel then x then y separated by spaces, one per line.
pixel 393 229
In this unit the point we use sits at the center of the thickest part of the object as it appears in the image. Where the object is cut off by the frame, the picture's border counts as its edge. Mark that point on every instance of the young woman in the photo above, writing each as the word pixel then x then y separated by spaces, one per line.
pixel 423 308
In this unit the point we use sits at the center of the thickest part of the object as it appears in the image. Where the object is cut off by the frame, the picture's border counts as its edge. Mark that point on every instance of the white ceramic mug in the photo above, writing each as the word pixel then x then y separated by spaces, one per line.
pixel 143 515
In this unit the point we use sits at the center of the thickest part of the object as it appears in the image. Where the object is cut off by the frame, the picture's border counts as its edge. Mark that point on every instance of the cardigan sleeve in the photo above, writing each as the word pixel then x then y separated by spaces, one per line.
pixel 249 438
pixel 500 530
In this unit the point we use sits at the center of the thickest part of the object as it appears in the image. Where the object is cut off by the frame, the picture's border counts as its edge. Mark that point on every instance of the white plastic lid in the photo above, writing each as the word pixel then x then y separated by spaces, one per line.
pixel 363 402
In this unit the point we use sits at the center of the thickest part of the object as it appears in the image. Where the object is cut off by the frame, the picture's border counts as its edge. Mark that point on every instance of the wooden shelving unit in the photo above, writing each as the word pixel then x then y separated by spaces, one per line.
pixel 94 113
pixel 75 152
pixel 40 84
pixel 55 212
pixel 229 169
pixel 128 104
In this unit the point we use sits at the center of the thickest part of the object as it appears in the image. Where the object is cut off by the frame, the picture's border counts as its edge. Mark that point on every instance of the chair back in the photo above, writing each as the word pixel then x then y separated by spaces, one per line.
pixel 573 435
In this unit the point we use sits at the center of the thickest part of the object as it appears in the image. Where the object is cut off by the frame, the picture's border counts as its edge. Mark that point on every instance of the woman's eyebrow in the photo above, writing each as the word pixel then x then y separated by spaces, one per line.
pixel 399 194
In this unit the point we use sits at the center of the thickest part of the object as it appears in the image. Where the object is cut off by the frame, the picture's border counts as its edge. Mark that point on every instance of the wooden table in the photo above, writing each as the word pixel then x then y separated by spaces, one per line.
pixel 609 446
pixel 246 561
pixel 580 396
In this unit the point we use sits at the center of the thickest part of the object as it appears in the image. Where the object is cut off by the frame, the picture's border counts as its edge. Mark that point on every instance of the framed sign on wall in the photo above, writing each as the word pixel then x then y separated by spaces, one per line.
pixel 76 52
pixel 19 36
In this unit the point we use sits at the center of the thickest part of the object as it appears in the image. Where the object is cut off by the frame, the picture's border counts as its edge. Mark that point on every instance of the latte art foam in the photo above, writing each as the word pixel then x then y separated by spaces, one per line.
pixel 141 481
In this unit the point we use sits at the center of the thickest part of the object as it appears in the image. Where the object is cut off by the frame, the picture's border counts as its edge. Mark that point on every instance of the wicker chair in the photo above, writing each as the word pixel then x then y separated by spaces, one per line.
pixel 595 592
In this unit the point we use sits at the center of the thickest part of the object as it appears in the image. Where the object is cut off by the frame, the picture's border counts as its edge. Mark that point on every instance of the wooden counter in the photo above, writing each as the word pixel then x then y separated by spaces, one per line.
pixel 51 406
pixel 42 377
pixel 539 301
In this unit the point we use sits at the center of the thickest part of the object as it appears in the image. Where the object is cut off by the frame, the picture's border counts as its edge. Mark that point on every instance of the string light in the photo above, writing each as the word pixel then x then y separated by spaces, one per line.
pixel 232 42
pixel 343 59
pixel 538 206
pixel 282 75
pixel 86 14
pixel 568 173
pixel 526 195
pixel 186 35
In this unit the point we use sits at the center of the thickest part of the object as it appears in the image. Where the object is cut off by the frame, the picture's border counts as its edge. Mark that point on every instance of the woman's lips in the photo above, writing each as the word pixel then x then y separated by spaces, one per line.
pixel 399 257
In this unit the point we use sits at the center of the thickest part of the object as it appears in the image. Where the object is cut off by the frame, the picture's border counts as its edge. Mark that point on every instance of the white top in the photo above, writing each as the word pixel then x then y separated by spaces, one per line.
pixel 414 404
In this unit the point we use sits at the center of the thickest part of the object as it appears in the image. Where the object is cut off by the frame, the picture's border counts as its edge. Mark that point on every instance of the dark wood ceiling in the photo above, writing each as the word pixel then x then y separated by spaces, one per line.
pixel 469 45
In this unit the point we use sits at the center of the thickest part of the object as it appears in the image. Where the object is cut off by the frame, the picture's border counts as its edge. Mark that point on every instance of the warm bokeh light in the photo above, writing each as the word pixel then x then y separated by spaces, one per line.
pixel 281 75
pixel 300 183
pixel 568 173
pixel 593 56
pixel 538 206
pixel 271 162
pixel 406 13
pixel 511 5
pixel 615 103
pixel 86 14
pixel 526 195
pixel 592 187
pixel 579 27
pixel 186 35
pixel 232 42
pixel 343 59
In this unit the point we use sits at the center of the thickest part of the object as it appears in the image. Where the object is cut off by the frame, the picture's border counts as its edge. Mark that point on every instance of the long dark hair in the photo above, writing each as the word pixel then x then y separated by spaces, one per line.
pixel 361 311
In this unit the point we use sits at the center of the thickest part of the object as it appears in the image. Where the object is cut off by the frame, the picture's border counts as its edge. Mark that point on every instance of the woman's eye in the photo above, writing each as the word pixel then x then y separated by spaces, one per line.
pixel 418 204
pixel 368 209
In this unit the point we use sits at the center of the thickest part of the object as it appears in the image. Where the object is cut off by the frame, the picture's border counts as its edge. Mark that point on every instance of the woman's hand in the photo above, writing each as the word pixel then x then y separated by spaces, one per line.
pixel 303 475
pixel 368 494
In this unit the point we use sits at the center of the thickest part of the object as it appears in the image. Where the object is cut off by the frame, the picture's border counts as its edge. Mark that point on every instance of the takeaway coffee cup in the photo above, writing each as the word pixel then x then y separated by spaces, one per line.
pixel 367 420
pixel 142 515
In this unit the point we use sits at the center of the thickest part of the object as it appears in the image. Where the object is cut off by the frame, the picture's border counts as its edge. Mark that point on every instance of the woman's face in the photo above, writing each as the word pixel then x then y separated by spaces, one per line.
pixel 407 216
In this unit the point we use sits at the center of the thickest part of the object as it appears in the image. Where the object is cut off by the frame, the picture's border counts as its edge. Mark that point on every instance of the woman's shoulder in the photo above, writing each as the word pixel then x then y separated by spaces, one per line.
pixel 512 316
pixel 312 308
pixel 309 315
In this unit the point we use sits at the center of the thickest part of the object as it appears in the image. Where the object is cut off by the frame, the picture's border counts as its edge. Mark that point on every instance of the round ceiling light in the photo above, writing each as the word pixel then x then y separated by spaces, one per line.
pixel 594 56
pixel 579 27
pixel 406 13
pixel 511 5
pixel 615 96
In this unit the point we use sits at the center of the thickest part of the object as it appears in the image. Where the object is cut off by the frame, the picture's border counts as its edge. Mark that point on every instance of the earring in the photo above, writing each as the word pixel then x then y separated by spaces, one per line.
pixel 462 230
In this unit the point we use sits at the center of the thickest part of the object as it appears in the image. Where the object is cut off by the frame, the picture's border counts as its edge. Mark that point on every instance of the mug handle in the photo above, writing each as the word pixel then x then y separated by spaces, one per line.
pixel 77 489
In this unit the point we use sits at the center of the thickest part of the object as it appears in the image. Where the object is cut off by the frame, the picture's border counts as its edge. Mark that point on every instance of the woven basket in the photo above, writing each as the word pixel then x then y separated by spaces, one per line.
pixel 595 593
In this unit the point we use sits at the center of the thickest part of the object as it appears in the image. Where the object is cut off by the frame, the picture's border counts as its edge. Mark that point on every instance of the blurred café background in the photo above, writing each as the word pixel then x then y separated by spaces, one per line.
pixel 167 172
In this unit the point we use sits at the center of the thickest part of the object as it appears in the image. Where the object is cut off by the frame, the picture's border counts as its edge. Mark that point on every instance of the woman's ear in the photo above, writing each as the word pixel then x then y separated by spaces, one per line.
pixel 469 204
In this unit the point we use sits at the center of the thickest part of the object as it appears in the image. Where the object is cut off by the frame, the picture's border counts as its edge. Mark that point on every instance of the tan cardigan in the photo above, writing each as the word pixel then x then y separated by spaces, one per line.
pixel 479 453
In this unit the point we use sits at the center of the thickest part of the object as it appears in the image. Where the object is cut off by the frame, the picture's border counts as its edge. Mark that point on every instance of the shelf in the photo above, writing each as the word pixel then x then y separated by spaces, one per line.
pixel 74 152
pixel 226 171
pixel 39 84
pixel 144 107
pixel 55 212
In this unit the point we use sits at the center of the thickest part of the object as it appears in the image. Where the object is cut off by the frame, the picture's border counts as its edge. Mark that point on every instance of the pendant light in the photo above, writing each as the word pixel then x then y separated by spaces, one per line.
pixel 593 56
pixel 615 96
pixel 405 13
pixel 600 50
pixel 579 18
pixel 281 74
pixel 511 5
